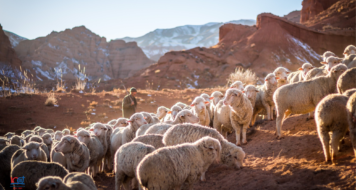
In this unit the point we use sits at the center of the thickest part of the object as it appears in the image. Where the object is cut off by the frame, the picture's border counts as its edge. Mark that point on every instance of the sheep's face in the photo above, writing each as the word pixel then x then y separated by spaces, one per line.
pixel 281 73
pixel 188 117
pixel 174 111
pixel 232 95
pixel 49 183
pixel 99 129
pixel 331 62
pixel 250 91
pixel 83 136
pixel 271 79
pixel 211 147
pixel 47 139
pixel 41 132
pixel 349 50
pixel 206 98
pixel 216 97
pixel 121 122
pixel 305 69
pixel 32 150
pixel 161 112
pixel 238 85
pixel 147 117
pixel 233 156
pixel 58 135
pixel 65 146
pixel 337 70
pixel 138 120
pixel 199 104
pixel 327 54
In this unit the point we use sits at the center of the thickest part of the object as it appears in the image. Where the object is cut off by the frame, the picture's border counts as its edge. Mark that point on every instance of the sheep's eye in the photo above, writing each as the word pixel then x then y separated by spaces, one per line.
pixel 235 157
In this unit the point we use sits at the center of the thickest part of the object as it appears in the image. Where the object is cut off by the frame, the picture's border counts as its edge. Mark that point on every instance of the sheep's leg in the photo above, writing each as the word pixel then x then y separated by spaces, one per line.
pixel 217 125
pixel 119 177
pixel 237 131
pixel 311 116
pixel 325 138
pixel 202 177
pixel 279 120
pixel 352 136
pixel 244 129
pixel 335 141
pixel 254 116
pixel 271 112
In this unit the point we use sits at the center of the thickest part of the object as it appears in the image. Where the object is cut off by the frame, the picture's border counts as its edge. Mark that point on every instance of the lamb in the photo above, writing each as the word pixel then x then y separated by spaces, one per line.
pixel 158 129
pixel 72 181
pixel 216 97
pixel 237 84
pixel 200 110
pixel 170 167
pixel 31 151
pixel 5 164
pixel 350 49
pixel 121 122
pixel 66 132
pixel 96 150
pixel 58 135
pixel 162 112
pixel 124 135
pixel 17 140
pixel 347 80
pixel 328 120
pixel 3 143
pixel 47 140
pixel 33 171
pixel 25 133
pixel 349 92
pixel 100 130
pixel 127 158
pixel 264 99
pixel 351 118
pixel 231 154
pixel 282 74
pixel 76 153
pixel 8 135
pixel 153 140
pixel 300 74
pixel 302 97
pixel 184 116
pixel 36 138
pixel 251 93
pixel 240 114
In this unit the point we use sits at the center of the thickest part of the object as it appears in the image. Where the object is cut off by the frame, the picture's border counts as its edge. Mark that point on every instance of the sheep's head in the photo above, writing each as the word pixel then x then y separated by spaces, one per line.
pixel 9 135
pixel 331 62
pixel 186 116
pixel 41 132
pixel 350 49
pixel 122 122
pixel 206 98
pixel 147 117
pixel 250 91
pixel 26 133
pixel 211 147
pixel 36 138
pixel 281 73
pixel 161 112
pixel 174 111
pixel 216 97
pixel 32 150
pixel 99 129
pixel 50 131
pixel 50 183
pixel 199 104
pixel 271 79
pixel 137 120
pixel 66 132
pixel 238 85
pixel 66 145
pixel 337 70
pixel 306 67
pixel 58 135
pixel 327 54
pixel 232 96
pixel 112 122
pixel 83 136
pixel 232 155
pixel 47 139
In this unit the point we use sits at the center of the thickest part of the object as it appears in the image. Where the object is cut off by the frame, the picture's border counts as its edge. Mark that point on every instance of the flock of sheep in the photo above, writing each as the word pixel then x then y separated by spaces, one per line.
pixel 176 146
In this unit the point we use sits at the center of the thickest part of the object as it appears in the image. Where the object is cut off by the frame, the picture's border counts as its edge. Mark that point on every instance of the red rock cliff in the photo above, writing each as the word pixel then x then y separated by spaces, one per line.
pixel 311 8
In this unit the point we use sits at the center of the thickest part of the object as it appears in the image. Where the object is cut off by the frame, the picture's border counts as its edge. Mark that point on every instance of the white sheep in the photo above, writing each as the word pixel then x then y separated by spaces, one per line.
pixel 31 151
pixel 351 117
pixel 153 140
pixel 282 74
pixel 300 74
pixel 347 80
pixel 184 116
pixel 251 92
pixel 121 122
pixel 162 112
pixel 216 96
pixel 350 49
pixel 237 84
pixel 58 135
pixel 200 110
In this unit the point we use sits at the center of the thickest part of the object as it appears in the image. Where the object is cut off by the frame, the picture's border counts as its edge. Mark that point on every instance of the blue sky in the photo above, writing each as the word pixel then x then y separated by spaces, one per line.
pixel 116 18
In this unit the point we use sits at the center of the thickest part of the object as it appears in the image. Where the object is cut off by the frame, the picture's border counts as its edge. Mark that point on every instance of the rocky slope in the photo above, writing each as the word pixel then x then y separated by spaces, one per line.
pixel 293 16
pixel 158 42
pixel 14 38
pixel 311 8
pixel 273 42
pixel 61 53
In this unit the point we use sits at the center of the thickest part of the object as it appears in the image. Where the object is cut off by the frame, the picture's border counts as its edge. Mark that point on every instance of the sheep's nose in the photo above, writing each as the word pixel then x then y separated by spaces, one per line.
pixel 145 122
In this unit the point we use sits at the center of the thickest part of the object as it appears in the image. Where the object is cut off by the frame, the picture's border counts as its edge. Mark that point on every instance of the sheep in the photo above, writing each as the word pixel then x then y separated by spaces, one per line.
pixel 72 181
pixel 231 154
pixel 302 97
pixel 27 139
pixel 17 140
pixel 154 140
pixel 300 74
pixel 108 152
pixel 58 135
pixel 121 122
pixel 328 120
pixel 216 97
pixel 329 63
pixel 351 118
pixel 76 153
pixel 170 167
pixel 124 135
pixel 240 112
pixel 221 120
pixel 112 123
pixel 264 99
pixel 207 99
pixel 25 133
pixel 200 110
pixel 282 74
pixel 148 118
pixel 3 143
pixel 184 116
pixel 33 171
pixel 66 132
pixel 8 135
pixel 36 138
pixel 32 151
pixel 172 114
pixel 349 92
pixel 41 131
pixel 251 92
pixel 96 149
pixel 347 80
pixel 180 104
pixel 158 129
pixel 50 131
pixel 237 84
pixel 316 72
pixel 327 54
pixel 162 112
pixel 350 49
pixel 47 140
pixel 5 163
pixel 58 156
pixel 127 158
pixel 100 130
pixel 142 130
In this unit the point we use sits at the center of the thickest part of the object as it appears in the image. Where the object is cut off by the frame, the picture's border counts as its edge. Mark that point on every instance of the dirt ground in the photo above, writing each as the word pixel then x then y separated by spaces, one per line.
pixel 295 162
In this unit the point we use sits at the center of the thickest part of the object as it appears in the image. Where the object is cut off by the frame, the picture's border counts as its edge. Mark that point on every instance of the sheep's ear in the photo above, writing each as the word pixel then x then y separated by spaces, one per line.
pixel 323 62
pixel 75 132
pixel 211 98
pixel 300 69
pixel 169 112
pixel 129 121
pixel 345 53
pixel 144 117
pixel 243 91
pixel 206 102
pixel 192 105
pixel 277 78
pixel 91 129
pixel 266 80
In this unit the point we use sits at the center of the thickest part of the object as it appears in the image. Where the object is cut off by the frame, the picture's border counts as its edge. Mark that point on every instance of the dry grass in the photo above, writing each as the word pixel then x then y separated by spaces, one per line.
pixel 93 104
pixel 245 76
pixel 51 100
